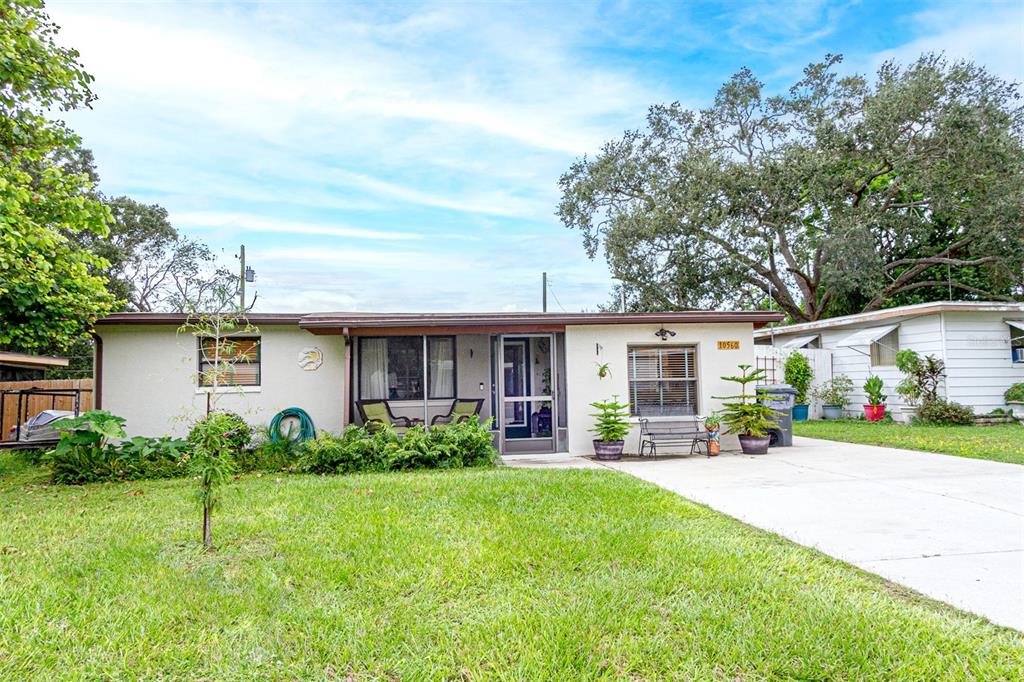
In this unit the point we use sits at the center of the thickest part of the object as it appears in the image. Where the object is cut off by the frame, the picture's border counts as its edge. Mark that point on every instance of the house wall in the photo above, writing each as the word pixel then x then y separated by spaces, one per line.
pixel 588 346
pixel 979 366
pixel 149 377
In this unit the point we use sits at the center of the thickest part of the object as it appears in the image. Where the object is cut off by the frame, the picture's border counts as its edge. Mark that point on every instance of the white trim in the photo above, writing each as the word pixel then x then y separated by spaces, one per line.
pixel 221 390
pixel 865 337
pixel 1016 324
pixel 798 341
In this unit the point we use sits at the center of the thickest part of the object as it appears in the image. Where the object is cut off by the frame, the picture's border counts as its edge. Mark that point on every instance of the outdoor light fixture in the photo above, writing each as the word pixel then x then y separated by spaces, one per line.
pixel 664 334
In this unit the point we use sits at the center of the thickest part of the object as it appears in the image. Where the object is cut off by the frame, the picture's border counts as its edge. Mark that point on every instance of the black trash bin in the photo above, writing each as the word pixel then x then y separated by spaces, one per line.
pixel 781 398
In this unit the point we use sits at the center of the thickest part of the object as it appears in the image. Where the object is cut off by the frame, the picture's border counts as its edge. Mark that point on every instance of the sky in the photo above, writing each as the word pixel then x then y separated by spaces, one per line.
pixel 405 156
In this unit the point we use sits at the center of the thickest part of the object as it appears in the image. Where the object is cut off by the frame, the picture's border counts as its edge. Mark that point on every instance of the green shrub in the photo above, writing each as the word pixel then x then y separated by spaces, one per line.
pixel 269 454
pixel 467 443
pixel 137 458
pixel 939 411
pixel 236 432
pixel 799 374
pixel 1014 394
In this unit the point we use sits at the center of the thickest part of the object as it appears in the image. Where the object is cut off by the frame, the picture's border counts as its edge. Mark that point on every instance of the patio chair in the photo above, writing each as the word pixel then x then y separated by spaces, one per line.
pixel 462 409
pixel 376 413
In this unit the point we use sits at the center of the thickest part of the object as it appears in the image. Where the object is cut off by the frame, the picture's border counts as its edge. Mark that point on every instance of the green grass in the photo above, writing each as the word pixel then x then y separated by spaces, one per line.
pixel 1002 443
pixel 467 575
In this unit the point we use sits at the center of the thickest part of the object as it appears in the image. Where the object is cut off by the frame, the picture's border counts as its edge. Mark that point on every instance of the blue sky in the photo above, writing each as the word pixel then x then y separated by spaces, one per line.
pixel 405 156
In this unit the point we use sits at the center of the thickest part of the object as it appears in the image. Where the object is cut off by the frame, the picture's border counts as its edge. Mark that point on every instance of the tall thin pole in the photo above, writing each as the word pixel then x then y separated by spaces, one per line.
pixel 241 279
pixel 544 296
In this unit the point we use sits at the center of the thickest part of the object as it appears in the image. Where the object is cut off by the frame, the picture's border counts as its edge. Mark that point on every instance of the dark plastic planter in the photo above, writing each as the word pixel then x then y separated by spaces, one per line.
pixel 874 413
pixel 609 449
pixel 754 445
pixel 800 413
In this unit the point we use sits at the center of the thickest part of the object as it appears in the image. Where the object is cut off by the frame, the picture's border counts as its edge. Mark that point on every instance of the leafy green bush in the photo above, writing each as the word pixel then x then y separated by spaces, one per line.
pixel 835 391
pixel 939 411
pixel 799 374
pixel 269 454
pixel 1014 394
pixel 134 459
pixel 467 443
pixel 873 390
pixel 235 430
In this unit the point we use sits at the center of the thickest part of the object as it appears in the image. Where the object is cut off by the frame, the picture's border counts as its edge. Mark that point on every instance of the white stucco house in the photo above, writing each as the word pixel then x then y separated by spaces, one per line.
pixel 982 344
pixel 536 372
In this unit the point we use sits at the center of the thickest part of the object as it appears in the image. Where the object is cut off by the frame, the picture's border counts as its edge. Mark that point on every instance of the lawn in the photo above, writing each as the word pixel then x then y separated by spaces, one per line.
pixel 1002 443
pixel 473 574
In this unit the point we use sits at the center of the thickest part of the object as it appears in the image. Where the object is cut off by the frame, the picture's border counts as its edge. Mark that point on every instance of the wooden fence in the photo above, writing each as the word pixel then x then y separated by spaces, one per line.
pixel 38 403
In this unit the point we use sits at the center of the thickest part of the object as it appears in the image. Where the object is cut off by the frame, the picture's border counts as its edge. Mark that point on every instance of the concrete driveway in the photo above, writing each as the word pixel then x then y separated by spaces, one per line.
pixel 949 527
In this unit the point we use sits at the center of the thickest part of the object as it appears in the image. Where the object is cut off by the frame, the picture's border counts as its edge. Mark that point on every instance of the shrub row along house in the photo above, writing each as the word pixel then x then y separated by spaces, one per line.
pixel 537 373
pixel 981 343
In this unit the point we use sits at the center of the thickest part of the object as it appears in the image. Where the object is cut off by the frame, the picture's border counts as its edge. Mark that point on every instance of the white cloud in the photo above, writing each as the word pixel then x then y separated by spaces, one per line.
pixel 243 222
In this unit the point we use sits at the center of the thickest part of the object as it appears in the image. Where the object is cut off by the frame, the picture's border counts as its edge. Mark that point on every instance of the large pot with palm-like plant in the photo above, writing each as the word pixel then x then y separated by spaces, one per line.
pixel 611 426
pixel 874 410
pixel 746 415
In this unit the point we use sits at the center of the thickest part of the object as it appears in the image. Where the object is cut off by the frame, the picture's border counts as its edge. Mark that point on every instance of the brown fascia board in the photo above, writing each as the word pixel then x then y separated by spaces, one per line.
pixel 31 361
pixel 179 319
pixel 339 322
pixel 901 312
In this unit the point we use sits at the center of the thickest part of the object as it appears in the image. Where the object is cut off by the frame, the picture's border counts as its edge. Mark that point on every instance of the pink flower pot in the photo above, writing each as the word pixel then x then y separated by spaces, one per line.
pixel 874 413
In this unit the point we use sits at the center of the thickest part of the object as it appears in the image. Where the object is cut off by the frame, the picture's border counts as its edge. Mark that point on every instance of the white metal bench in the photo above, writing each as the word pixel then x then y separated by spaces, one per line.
pixel 673 430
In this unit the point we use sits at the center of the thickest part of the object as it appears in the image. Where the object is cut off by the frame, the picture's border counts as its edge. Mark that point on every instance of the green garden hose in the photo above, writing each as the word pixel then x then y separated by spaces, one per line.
pixel 306 428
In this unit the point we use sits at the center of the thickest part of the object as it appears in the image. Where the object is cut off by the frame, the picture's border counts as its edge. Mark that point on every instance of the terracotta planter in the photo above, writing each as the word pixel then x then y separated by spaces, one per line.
pixel 609 450
pixel 714 445
pixel 874 413
pixel 754 445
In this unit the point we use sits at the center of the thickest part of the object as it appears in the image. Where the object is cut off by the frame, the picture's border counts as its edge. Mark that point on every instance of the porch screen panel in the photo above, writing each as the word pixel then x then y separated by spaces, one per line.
pixel 236 362
pixel 662 380
pixel 441 367
pixel 373 369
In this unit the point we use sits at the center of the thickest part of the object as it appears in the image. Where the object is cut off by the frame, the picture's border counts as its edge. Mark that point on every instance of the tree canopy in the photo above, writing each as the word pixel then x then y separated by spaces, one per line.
pixel 49 289
pixel 839 196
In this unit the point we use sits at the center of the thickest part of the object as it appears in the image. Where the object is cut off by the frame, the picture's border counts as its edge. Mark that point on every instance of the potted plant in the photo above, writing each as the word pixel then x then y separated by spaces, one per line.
pixel 713 424
pixel 747 416
pixel 875 408
pixel 920 383
pixel 611 427
pixel 833 396
pixel 799 374
pixel 1014 395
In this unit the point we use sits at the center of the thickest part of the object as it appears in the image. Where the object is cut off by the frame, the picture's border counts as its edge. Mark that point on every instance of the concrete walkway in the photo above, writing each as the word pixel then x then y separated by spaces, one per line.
pixel 949 527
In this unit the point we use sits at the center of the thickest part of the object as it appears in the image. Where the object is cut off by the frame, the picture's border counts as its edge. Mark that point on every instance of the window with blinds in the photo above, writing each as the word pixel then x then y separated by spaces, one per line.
pixel 662 380
pixel 235 363
pixel 884 350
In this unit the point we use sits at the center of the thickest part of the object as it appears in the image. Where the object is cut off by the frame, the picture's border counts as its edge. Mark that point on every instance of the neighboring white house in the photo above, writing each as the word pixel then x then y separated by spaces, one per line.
pixel 538 372
pixel 982 344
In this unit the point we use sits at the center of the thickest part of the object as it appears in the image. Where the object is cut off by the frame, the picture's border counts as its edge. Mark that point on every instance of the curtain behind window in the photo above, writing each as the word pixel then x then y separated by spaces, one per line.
pixel 441 354
pixel 373 370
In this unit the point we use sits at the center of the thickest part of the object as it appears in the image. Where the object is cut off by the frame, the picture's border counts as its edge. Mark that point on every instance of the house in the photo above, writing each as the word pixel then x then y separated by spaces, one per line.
pixel 982 344
pixel 23 367
pixel 537 372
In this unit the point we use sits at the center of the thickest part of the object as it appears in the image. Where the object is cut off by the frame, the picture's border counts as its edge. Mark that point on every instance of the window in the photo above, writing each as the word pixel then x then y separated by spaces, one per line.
pixel 883 351
pixel 236 363
pixel 392 368
pixel 1016 341
pixel 663 380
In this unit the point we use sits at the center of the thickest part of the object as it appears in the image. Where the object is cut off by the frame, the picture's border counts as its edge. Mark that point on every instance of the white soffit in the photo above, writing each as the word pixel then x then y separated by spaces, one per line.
pixel 865 337
pixel 1016 324
pixel 798 341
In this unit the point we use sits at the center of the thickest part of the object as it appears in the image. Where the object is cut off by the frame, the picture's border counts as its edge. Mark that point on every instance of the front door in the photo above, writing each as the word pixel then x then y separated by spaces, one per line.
pixel 528 393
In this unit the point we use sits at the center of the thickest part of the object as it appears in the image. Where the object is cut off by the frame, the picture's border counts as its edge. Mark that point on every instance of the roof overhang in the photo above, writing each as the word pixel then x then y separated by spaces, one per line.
pixel 865 337
pixel 1016 324
pixel 893 314
pixel 798 341
pixel 397 324
pixel 31 361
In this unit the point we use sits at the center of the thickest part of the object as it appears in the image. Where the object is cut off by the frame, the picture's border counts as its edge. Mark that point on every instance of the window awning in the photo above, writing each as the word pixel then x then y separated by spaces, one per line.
pixel 865 337
pixel 798 341
pixel 1016 324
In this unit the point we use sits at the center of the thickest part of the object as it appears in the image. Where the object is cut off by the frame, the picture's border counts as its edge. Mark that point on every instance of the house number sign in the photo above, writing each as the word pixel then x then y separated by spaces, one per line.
pixel 728 345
